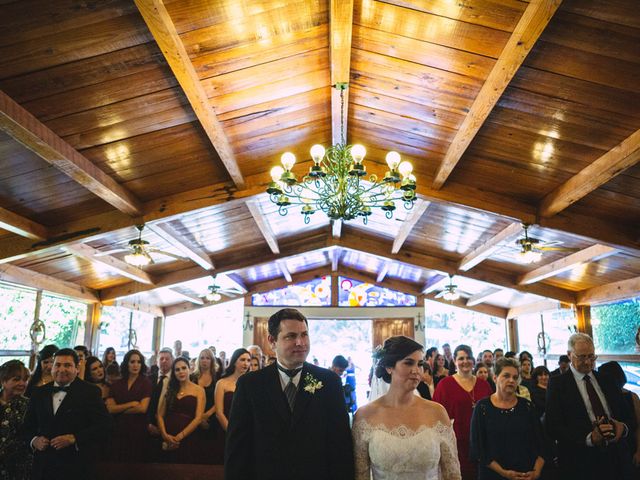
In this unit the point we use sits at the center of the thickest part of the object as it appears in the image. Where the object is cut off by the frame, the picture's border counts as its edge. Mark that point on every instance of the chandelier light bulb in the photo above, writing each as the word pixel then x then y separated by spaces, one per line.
pixel 137 259
pixel 317 153
pixel 393 159
pixel 405 168
pixel 276 173
pixel 288 159
pixel 530 256
pixel 357 153
pixel 450 296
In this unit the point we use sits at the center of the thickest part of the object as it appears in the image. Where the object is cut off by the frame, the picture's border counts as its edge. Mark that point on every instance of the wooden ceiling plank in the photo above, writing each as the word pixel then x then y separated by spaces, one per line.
pixel 336 228
pixel 481 297
pixel 612 163
pixel 22 226
pixel 486 309
pixel 30 278
pixel 263 226
pixel 112 263
pixel 383 272
pixel 189 298
pixel 412 219
pixel 164 32
pixel 484 251
pixel 589 254
pixel 340 34
pixel 282 265
pixel 434 283
pixel 34 135
pixel 535 307
pixel 532 23
pixel 182 243
pixel 611 292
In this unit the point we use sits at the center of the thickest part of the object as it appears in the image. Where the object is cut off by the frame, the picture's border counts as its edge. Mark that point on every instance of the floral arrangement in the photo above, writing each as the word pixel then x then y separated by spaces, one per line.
pixel 311 384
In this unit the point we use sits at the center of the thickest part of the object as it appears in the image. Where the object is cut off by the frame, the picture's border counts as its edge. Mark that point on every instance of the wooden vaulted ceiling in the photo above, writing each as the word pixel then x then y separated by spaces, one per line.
pixel 116 112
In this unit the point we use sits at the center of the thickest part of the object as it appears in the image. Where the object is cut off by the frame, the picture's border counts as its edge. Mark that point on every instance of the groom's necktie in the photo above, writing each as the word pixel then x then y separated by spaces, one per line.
pixel 290 390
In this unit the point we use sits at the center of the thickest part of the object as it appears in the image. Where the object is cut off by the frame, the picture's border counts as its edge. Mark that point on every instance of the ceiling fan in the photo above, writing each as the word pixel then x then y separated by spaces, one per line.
pixel 139 251
pixel 450 292
pixel 531 249
pixel 214 291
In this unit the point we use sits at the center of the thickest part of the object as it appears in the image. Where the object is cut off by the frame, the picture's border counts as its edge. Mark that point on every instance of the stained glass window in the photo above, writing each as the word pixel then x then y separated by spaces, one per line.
pixel 353 293
pixel 314 293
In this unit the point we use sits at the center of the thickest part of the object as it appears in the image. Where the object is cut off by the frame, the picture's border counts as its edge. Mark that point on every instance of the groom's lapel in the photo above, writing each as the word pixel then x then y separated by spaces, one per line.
pixel 274 390
pixel 302 397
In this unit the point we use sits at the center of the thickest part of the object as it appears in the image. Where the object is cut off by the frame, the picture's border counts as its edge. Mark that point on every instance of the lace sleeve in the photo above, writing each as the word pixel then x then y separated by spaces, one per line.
pixel 361 434
pixel 449 463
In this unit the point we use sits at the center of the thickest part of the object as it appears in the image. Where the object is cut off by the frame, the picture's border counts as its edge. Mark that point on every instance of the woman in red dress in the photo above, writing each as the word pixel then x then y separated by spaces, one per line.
pixel 459 394
pixel 127 402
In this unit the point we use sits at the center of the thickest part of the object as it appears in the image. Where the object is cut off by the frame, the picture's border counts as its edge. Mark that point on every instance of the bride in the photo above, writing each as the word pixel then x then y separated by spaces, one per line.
pixel 401 436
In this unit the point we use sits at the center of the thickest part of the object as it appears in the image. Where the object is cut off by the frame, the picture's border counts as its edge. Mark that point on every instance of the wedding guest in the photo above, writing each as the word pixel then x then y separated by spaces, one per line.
pixel 83 353
pixel 350 381
pixel 525 354
pixel 426 387
pixel 401 435
pixel 42 373
pixel 109 357
pixel 210 441
pixel 179 414
pixel 506 435
pixel 526 368
pixel 448 357
pixel 487 359
pixel 15 457
pixel 459 394
pixel 430 357
pixel 482 371
pixel 226 386
pixel 95 374
pixel 563 365
pixel 255 365
pixel 498 353
pixel 113 373
pixel 223 359
pixel 440 370
pixel 540 379
pixel 177 348
pixel 128 402
pixel 256 352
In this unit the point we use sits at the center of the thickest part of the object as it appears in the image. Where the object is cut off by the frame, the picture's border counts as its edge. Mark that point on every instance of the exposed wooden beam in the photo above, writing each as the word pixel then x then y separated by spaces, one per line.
pixel 277 283
pixel 383 272
pixel 336 228
pixel 434 283
pixel 112 263
pixel 183 307
pixel 535 307
pixel 282 265
pixel 486 309
pixel 33 279
pixel 22 226
pixel 533 21
pixel 611 292
pixel 612 163
pixel 154 310
pixel 487 249
pixel 164 32
pixel 412 219
pixel 341 26
pixel 34 135
pixel 263 226
pixel 399 285
pixel 589 254
pixel 335 258
pixel 182 243
pixel 188 297
pixel 482 297
pixel 237 283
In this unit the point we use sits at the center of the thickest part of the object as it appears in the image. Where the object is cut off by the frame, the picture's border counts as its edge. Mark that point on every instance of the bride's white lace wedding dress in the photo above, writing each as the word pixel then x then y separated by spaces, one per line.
pixel 428 453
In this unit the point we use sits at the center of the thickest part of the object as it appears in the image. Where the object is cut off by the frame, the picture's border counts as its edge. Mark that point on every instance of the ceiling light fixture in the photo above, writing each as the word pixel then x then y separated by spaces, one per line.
pixel 139 257
pixel 336 185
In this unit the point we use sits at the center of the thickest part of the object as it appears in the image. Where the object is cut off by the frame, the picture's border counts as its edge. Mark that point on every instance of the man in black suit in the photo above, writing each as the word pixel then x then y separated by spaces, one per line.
pixel 582 414
pixel 160 382
pixel 65 423
pixel 563 366
pixel 288 420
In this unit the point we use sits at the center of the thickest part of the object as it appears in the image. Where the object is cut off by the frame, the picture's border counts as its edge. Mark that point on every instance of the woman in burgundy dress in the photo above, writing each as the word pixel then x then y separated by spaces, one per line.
pixel 128 401
pixel 210 435
pixel 226 386
pixel 459 394
pixel 179 414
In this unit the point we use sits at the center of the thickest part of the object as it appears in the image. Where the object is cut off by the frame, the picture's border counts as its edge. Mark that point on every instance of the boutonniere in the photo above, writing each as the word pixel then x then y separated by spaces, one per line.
pixel 311 384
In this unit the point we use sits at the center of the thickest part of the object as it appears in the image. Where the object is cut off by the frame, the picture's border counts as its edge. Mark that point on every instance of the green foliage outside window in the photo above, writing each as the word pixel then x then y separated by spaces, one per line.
pixel 615 326
pixel 16 315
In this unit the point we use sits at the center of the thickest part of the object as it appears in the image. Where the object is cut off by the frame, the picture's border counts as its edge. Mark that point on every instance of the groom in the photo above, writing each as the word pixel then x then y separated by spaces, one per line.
pixel 288 420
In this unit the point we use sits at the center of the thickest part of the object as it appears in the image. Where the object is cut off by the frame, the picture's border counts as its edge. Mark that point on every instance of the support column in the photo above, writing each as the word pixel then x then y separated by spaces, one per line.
pixel 158 328
pixel 92 327
pixel 583 317
pixel 512 332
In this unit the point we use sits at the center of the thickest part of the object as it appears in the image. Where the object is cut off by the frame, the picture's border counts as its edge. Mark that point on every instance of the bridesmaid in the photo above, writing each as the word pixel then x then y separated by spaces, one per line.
pixel 42 373
pixel 459 393
pixel 128 402
pixel 210 435
pixel 179 414
pixel 226 386
pixel 95 374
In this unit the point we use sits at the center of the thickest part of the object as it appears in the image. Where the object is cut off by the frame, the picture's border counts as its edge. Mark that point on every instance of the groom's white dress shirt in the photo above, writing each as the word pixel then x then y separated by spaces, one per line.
pixel 284 378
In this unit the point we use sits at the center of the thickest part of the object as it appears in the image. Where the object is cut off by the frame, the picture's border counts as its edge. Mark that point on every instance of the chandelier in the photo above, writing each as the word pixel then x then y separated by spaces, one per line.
pixel 337 182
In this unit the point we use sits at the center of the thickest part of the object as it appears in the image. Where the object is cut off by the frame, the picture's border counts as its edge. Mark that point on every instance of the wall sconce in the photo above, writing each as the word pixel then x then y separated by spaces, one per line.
pixel 419 326
pixel 37 332
pixel 248 324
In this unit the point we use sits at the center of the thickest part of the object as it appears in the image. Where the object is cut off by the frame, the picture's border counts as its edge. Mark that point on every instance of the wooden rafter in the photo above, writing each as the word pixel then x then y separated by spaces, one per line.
pixel 263 226
pixel 611 292
pixel 412 219
pixel 282 265
pixel 383 272
pixel 164 32
pixel 434 283
pixel 179 241
pixel 482 297
pixel 534 307
pixel 34 135
pixel 187 296
pixel 532 23
pixel 22 226
pixel 154 310
pixel 487 249
pixel 335 258
pixel 612 163
pixel 112 263
pixel 492 310
pixel 341 27
pixel 336 228
pixel 589 254
pixel 237 283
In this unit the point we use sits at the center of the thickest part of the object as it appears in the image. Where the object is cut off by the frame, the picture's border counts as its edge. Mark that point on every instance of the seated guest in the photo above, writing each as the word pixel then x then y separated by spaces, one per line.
pixel 83 354
pixel 179 414
pixel 97 376
pixel 563 366
pixel 42 373
pixel 128 402
pixel 65 422
pixel 506 436
pixel 540 381
pixel 15 457
pixel 226 386
pixel 109 357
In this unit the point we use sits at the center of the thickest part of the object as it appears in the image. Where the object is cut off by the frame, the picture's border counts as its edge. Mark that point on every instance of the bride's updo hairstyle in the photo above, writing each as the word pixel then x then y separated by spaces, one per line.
pixel 393 350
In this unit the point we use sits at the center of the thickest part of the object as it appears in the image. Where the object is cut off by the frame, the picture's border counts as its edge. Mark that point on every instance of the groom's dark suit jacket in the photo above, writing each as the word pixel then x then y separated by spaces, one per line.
pixel 265 441
pixel 81 413
pixel 567 422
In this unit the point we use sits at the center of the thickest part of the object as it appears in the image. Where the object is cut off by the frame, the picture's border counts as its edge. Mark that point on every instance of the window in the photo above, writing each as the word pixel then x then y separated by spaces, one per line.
pixel 353 293
pixel 217 325
pixel 616 327
pixel 64 320
pixel 314 293
pixel 17 307
pixel 125 329
pixel 558 325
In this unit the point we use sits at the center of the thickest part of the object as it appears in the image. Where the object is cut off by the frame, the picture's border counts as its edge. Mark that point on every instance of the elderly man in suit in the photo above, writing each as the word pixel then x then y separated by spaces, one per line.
pixel 65 422
pixel 583 414
pixel 288 421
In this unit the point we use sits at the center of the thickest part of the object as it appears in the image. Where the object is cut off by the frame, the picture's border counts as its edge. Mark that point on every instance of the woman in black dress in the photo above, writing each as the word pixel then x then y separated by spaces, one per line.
pixel 506 436
pixel 42 373
pixel 540 381
pixel 15 457
pixel 210 435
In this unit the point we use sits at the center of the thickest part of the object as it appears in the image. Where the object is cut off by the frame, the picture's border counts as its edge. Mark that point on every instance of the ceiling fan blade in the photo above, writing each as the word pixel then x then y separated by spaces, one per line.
pixel 440 294
pixel 167 254
pixel 112 251
pixel 556 249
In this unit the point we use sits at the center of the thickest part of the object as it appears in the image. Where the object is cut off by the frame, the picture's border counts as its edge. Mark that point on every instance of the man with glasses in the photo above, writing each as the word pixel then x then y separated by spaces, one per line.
pixel 583 415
